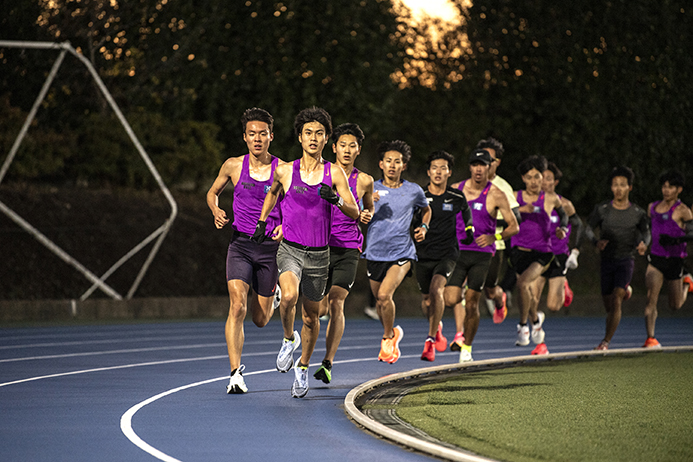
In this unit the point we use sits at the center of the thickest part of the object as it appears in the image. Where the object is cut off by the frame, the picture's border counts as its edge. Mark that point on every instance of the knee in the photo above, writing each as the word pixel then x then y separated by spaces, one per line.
pixel 289 297
pixel 237 311
pixel 383 297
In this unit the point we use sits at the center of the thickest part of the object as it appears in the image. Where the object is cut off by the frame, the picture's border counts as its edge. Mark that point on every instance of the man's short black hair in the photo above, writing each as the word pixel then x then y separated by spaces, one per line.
pixel 537 162
pixel 313 114
pixel 674 177
pixel 396 145
pixel 435 155
pixel 255 113
pixel 492 143
pixel 623 171
pixel 349 129
pixel 557 174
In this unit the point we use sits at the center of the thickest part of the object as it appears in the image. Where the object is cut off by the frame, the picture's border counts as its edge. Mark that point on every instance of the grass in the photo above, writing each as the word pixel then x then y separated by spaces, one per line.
pixel 626 408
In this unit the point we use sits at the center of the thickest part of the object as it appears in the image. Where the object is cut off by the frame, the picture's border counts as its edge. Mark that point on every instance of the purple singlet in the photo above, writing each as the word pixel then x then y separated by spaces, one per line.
pixel 662 223
pixel 248 197
pixel 535 227
pixel 307 216
pixel 345 230
pixel 483 222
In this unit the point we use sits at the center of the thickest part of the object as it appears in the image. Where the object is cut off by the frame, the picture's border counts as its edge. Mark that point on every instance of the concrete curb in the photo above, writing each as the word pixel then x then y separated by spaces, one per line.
pixel 356 397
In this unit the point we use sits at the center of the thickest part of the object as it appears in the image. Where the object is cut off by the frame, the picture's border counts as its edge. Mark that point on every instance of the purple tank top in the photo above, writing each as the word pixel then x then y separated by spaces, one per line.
pixel 248 197
pixel 559 246
pixel 483 222
pixel 662 223
pixel 535 227
pixel 306 216
pixel 345 230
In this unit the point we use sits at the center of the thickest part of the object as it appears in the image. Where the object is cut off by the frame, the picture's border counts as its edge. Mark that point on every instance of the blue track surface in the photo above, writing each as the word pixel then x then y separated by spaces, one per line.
pixel 148 391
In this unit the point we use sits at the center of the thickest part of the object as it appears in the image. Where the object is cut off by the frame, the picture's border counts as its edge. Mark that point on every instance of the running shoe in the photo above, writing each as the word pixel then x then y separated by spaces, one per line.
pixel 499 314
pixel 688 279
pixel 285 358
pixel 441 341
pixel 371 312
pixel 389 347
pixel 300 385
pixel 466 354
pixel 629 292
pixel 236 382
pixel 652 342
pixel 568 294
pixel 277 298
pixel 537 331
pixel 429 351
pixel 324 372
pixel 456 344
pixel 522 335
pixel 540 349
pixel 604 345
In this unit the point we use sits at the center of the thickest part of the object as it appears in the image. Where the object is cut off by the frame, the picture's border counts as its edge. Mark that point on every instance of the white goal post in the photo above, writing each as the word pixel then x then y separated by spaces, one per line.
pixel 158 235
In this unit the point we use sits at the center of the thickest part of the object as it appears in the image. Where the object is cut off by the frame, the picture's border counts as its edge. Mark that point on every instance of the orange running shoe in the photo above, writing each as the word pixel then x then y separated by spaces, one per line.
pixel 441 341
pixel 399 333
pixel 540 349
pixel 652 342
pixel 568 294
pixel 500 313
pixel 429 352
pixel 456 344
pixel 688 279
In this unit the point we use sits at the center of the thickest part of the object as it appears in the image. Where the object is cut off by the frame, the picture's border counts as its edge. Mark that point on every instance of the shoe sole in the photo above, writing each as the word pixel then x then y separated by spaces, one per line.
pixel 297 395
pixel 235 390
pixel 397 351
pixel 321 375
pixel 454 346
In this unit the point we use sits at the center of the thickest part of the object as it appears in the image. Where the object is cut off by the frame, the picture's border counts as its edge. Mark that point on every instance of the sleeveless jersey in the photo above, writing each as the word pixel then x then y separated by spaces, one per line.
pixel 535 227
pixel 345 231
pixel 483 222
pixel 662 223
pixel 248 197
pixel 559 246
pixel 307 216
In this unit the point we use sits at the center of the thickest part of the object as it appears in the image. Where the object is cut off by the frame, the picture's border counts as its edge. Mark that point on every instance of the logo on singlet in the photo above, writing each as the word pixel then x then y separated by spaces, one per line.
pixel 300 189
pixel 477 206
pixel 267 188
pixel 247 185
pixel 447 207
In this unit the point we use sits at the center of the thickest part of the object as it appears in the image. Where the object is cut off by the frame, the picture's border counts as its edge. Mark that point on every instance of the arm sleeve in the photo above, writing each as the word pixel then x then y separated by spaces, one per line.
pixel 577 229
pixel 644 230
pixel 688 227
pixel 563 217
pixel 518 215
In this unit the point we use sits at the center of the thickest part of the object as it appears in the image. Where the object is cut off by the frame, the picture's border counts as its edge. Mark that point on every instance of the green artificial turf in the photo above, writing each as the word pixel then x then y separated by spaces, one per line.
pixel 616 408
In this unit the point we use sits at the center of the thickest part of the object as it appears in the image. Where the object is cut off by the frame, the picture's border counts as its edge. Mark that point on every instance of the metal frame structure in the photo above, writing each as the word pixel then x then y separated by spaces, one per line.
pixel 157 236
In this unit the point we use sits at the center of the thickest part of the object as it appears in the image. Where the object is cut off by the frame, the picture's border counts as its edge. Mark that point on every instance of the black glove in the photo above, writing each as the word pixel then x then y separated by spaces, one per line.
pixel 327 193
pixel 665 239
pixel 259 234
pixel 469 238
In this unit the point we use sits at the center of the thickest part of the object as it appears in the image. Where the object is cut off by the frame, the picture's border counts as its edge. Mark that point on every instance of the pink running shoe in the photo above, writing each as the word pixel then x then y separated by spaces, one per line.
pixel 540 349
pixel 456 344
pixel 441 341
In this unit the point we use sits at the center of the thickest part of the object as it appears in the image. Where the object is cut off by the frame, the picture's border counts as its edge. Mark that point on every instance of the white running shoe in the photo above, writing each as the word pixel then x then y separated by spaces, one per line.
pixel 285 358
pixel 490 306
pixel 537 332
pixel 277 298
pixel 300 385
pixel 522 335
pixel 465 355
pixel 236 382
pixel 371 312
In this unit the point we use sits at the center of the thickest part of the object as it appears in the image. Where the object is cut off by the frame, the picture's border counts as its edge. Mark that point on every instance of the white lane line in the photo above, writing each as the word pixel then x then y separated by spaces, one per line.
pixel 111 368
pixel 126 419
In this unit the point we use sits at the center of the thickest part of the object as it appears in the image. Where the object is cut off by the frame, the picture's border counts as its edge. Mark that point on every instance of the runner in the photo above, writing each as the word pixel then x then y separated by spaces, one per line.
pixel 437 254
pixel 672 228
pixel 303 256
pixel 346 242
pixel 496 298
pixel 485 201
pixel 623 230
pixel 390 249
pixel 248 264
pixel 531 247
pixel 559 293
